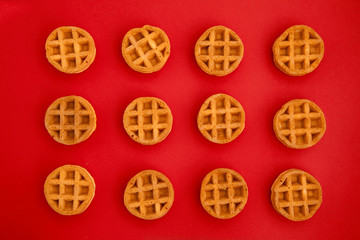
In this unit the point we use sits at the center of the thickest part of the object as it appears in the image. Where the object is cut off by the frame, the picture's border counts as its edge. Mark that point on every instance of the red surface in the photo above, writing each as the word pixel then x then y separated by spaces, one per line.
pixel 29 84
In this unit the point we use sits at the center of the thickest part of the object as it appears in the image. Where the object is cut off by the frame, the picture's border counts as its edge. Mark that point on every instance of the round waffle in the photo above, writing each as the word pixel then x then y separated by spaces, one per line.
pixel 148 120
pixel 69 189
pixel 149 195
pixel 146 49
pixel 296 195
pixel 219 51
pixel 298 50
pixel 70 120
pixel 223 193
pixel 70 49
pixel 221 118
pixel 299 124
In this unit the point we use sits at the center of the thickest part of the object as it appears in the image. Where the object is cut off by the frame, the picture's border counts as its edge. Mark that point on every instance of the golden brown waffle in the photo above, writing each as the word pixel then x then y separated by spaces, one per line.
pixel 219 51
pixel 70 49
pixel 296 195
pixel 221 118
pixel 70 120
pixel 223 193
pixel 299 124
pixel 149 195
pixel 298 50
pixel 146 49
pixel 69 189
pixel 148 120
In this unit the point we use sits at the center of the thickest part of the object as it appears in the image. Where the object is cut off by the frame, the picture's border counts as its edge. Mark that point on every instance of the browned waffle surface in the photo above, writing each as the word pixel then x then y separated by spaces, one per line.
pixel 299 124
pixel 221 118
pixel 70 49
pixel 149 195
pixel 148 120
pixel 223 193
pixel 146 49
pixel 219 51
pixel 298 50
pixel 296 195
pixel 69 189
pixel 70 120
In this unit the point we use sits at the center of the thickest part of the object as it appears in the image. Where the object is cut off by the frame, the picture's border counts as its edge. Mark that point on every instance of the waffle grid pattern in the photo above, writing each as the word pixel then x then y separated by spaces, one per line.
pixel 146 48
pixel 298 197
pixel 225 193
pixel 69 49
pixel 299 50
pixel 148 120
pixel 219 51
pixel 221 118
pixel 68 190
pixel 150 195
pixel 301 124
pixel 70 120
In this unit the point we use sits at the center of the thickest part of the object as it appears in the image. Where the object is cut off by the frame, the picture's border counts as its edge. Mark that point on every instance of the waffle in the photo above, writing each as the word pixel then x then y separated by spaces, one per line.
pixel 219 51
pixel 149 195
pixel 298 50
pixel 148 120
pixel 296 195
pixel 221 118
pixel 223 193
pixel 70 49
pixel 70 120
pixel 299 124
pixel 69 189
pixel 146 49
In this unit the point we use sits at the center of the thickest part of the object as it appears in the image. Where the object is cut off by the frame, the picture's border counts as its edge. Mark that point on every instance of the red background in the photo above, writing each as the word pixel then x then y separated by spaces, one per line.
pixel 29 84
